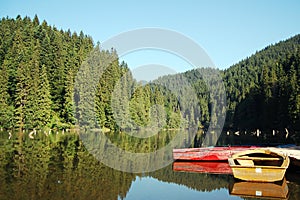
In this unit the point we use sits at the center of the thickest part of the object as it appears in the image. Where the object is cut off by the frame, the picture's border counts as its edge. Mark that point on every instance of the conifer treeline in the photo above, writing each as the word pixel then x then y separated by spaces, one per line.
pixel 107 96
pixel 45 80
pixel 50 77
pixel 263 90
pixel 38 63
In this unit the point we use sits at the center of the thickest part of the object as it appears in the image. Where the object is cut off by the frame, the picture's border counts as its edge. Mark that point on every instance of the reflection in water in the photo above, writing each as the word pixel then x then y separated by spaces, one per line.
pixel 203 167
pixel 56 167
pixel 153 189
pixel 255 189
pixel 59 167
pixel 130 154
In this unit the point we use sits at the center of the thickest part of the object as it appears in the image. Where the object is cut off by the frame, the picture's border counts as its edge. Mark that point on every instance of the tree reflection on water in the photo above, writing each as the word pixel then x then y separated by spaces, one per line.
pixel 58 166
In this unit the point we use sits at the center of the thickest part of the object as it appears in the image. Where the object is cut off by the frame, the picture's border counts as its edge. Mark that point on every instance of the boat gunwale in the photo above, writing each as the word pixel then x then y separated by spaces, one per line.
pixel 218 148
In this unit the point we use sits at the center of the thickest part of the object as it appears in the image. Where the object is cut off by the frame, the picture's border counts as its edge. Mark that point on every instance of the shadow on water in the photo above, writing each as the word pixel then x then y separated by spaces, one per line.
pixel 58 166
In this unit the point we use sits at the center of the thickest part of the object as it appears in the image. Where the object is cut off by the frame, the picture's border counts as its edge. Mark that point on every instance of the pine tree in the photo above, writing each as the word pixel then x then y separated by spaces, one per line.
pixel 22 85
pixel 43 115
pixel 294 97
pixel 69 112
pixel 120 100
pixel 157 111
pixel 136 107
pixel 33 82
pixel 56 71
pixel 6 111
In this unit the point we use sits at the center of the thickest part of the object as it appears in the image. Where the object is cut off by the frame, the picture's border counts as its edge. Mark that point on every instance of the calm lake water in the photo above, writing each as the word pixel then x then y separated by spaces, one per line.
pixel 58 166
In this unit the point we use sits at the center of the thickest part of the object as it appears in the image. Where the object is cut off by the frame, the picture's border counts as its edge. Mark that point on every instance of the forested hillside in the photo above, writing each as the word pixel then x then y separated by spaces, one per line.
pixel 107 96
pixel 263 91
pixel 46 76
pixel 38 63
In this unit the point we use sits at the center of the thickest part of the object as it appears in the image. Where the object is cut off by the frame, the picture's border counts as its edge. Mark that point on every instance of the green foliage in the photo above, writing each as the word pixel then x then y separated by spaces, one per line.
pixel 38 65
pixel 46 80
pixel 263 90
pixel 6 111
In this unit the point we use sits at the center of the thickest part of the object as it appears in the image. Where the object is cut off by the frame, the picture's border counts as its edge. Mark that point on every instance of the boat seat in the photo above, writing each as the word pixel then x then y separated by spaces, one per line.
pixel 247 163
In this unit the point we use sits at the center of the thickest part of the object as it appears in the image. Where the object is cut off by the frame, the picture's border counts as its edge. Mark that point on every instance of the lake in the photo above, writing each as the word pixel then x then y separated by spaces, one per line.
pixel 60 166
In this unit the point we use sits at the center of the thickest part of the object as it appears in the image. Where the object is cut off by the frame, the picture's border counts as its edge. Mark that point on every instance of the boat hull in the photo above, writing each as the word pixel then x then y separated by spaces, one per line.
pixel 258 173
pixel 208 153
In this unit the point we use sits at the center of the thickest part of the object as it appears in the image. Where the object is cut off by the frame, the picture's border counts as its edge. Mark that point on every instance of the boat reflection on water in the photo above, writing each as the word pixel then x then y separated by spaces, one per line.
pixel 203 167
pixel 276 190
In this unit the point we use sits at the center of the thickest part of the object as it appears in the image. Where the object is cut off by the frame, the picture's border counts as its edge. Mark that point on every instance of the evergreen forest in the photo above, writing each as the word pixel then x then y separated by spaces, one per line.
pixel 61 79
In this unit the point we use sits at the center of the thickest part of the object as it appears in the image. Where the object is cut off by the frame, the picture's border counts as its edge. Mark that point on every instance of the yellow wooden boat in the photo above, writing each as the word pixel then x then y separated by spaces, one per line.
pixel 260 165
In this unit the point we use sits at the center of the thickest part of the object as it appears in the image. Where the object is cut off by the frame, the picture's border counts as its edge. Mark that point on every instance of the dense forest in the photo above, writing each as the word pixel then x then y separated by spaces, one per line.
pixel 39 68
pixel 38 63
pixel 263 90
pixel 59 79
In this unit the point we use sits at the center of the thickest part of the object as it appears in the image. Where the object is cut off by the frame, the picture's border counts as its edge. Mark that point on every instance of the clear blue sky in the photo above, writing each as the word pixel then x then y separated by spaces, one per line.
pixel 227 30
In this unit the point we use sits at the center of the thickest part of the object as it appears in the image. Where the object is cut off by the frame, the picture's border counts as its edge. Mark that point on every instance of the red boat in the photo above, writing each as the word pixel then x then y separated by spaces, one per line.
pixel 208 153
pixel 203 167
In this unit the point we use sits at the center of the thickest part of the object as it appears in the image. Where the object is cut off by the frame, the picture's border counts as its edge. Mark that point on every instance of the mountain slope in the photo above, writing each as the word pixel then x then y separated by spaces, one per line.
pixel 39 64
pixel 263 90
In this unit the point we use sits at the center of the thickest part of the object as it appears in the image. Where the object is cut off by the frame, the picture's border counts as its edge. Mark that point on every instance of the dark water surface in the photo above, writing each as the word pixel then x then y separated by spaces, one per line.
pixel 58 166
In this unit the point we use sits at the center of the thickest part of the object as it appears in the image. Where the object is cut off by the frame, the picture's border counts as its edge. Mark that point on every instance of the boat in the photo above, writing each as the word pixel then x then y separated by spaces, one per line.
pixel 261 165
pixel 245 189
pixel 208 153
pixel 202 167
